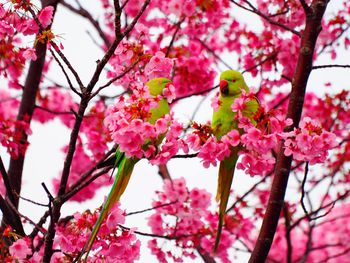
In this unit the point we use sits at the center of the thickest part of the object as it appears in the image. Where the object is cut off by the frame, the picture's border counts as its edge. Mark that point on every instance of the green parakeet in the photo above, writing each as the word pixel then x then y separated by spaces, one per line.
pixel 126 165
pixel 231 85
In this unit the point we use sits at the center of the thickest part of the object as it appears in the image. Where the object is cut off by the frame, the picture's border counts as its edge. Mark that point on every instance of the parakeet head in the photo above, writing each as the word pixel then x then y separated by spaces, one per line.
pixel 232 83
pixel 157 85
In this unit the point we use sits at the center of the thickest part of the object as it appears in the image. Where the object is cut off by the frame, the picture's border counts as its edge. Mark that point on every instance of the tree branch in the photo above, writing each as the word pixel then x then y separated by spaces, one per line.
pixel 5 177
pixel 26 109
pixel 264 16
pixel 330 66
pixel 283 164
pixel 305 6
pixel 10 217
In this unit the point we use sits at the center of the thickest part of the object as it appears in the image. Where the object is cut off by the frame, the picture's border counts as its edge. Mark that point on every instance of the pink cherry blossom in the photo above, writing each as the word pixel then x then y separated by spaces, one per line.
pixel 159 66
pixel 112 244
pixel 20 249
pixel 29 54
pixel 309 142
pixel 45 16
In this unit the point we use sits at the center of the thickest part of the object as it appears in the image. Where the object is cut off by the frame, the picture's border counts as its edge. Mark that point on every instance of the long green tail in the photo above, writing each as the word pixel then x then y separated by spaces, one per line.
pixel 125 169
pixel 226 172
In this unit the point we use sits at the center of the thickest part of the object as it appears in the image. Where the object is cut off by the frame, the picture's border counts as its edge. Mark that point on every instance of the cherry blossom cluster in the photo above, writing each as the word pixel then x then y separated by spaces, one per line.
pixel 144 65
pixel 183 215
pixel 309 142
pixel 130 128
pixel 113 244
pixel 10 136
pixel 13 53
pixel 19 249
pixel 334 28
pixel 213 150
pixel 192 72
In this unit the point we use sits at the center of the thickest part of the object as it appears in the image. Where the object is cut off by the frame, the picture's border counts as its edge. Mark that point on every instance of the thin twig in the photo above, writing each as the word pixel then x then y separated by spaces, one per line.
pixel 167 237
pixel 25 217
pixel 213 53
pixel 271 56
pixel 330 66
pixel 33 202
pixel 190 155
pixel 65 73
pixel 266 17
pixel 151 209
pixel 38 226
pixel 334 40
pixel 54 112
pixel 49 195
pixel 178 26
pixel 303 191
pixel 79 184
pixel 78 187
pixel 126 71
pixel 164 172
pixel 69 65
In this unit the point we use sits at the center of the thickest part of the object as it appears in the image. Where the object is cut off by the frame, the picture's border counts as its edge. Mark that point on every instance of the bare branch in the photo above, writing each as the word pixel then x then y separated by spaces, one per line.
pixel 65 74
pixel 126 71
pixel 330 66
pixel 178 27
pixel 213 53
pixel 69 65
pixel 151 209
pixel 264 16
pixel 303 191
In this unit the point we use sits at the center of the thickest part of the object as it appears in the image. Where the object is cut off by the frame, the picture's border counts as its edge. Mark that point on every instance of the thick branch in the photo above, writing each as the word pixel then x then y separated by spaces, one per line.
pixel 26 110
pixel 283 164
pixel 6 181
pixel 10 217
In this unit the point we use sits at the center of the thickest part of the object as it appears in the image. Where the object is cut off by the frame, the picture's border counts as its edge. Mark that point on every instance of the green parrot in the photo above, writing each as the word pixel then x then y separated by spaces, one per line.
pixel 126 165
pixel 231 85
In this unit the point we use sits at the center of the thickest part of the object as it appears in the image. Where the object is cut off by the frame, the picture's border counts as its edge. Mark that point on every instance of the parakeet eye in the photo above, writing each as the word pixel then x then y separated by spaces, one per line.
pixel 224 87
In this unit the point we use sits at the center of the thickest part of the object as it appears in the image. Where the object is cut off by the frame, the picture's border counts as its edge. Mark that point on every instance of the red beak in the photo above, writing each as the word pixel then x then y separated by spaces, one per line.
pixel 223 85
